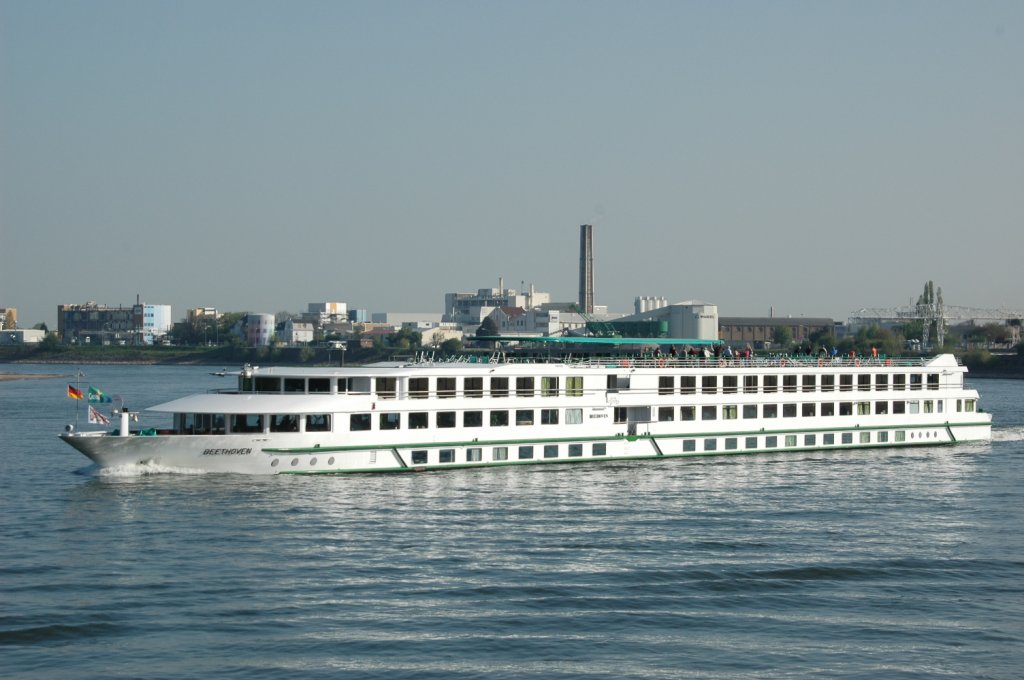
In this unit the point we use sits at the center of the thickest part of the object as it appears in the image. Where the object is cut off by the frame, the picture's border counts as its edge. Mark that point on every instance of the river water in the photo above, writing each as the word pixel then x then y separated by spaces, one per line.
pixel 876 563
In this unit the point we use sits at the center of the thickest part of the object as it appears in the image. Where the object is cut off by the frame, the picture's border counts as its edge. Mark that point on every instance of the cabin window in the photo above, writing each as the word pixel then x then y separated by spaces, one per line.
pixel 710 444
pixel 730 412
pixel 599 449
pixel 863 408
pixel 249 422
pixel 549 416
pixel 499 453
pixel 828 383
pixel 687 384
pixel 828 439
pixel 474 455
pixel 847 438
pixel 900 435
pixel 385 388
pixel 846 408
pixel 574 386
pixel 899 382
pixel 499 387
pixel 900 406
pixel 789 383
pixel 319 385
pixel 419 388
pixel 245 383
pixel 666 384
pixel 933 381
pixel 807 410
pixel 473 419
pixel 474 387
pixel 731 443
pixel 916 381
pixel 828 408
pixel 418 421
pixel 318 422
pixel 939 404
pixel 790 440
pixel 666 413
pixel 708 412
pixel 265 384
pixel 284 423
pixel 524 387
pixel 881 408
pixel 446 456
pixel 846 382
pixel 864 382
pixel 771 441
pixel 959 406
pixel 912 407
pixel 750 443
pixel 548 386
pixel 551 450
pixel 729 384
pixel 809 440
pixel 618 382
pixel 881 382
pixel 499 418
pixel 809 383
pixel 865 437
pixel 525 452
pixel 445 419
pixel 575 450
pixel 343 385
pixel 771 384
pixel 445 388
pixel 883 437
pixel 524 416
pixel 750 384
pixel 687 413
pixel 770 411
pixel 419 457
pixel 789 410
pixel 750 410
pixel 620 414
pixel 573 416
pixel 709 384
pixel 294 385
pixel 689 445
pixel 359 421
pixel 929 406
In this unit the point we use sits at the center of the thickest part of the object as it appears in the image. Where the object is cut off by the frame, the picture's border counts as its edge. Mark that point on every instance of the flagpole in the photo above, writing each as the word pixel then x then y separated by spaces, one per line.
pixel 78 386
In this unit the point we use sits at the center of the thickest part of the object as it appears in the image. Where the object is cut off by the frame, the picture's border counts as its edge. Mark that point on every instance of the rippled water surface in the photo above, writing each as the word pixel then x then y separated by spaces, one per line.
pixel 876 563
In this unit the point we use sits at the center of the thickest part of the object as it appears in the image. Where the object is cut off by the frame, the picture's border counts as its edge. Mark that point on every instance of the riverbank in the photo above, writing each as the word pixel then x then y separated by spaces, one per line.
pixel 29 376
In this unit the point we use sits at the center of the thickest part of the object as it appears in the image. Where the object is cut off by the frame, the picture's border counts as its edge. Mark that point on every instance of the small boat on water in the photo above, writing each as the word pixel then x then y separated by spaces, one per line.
pixel 431 415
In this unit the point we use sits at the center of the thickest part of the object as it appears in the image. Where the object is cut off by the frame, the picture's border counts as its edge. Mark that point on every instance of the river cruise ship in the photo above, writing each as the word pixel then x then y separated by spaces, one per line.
pixel 432 415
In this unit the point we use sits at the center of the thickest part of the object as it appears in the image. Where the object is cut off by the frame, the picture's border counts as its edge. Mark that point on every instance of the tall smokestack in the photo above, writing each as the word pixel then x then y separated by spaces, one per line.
pixel 587 268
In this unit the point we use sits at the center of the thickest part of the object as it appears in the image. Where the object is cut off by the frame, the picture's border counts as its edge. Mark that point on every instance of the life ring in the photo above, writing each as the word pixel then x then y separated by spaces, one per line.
pixel 661 363
pixel 888 362
pixel 821 362
pixel 721 362
pixel 856 362
pixel 624 363
pixel 782 362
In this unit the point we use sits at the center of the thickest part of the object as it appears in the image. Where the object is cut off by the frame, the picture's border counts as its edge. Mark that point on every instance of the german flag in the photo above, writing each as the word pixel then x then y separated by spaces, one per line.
pixel 75 393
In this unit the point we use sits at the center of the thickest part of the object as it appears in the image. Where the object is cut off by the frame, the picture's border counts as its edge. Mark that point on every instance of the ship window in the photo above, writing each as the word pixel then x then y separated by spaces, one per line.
pixel 445 419
pixel 959 406
pixel 618 382
pixel 386 388
pixel 750 384
pixel 666 384
pixel 549 416
pixel 551 450
pixel 809 440
pixel 445 388
pixel 620 414
pixel 846 408
pixel 473 419
pixel 689 445
pixel 750 410
pixel 808 384
pixel 294 385
pixel 914 406
pixel 245 383
pixel 343 385
pixel 933 381
pixel 790 440
pixel 524 387
pixel 419 457
pixel 446 456
pixel 847 438
pixel 359 421
pixel 419 388
pixel 828 439
pixel 708 412
pixel 573 416
pixel 711 444
pixel 846 382
pixel 881 382
pixel 789 410
pixel 939 404
pixel 499 453
pixel 750 443
pixel 929 406
pixel 901 435
pixel 474 387
pixel 524 416
pixel 900 406
pixel 548 386
pixel 525 452
pixel 574 386
pixel 249 422
pixel 789 383
pixel 771 383
pixel 883 437
pixel 731 443
pixel 499 418
pixel 687 384
pixel 771 441
pixel 864 382
pixel 499 387
pixel 264 384
pixel 730 412
pixel 828 408
pixel 575 450
pixel 828 383
pixel 807 410
pixel 318 422
pixel 666 413
pixel 863 408
pixel 899 382
pixel 599 449
pixel 770 411
pixel 284 423
pixel 474 455
pixel 319 385
pixel 915 381
pixel 418 421
pixel 865 437
pixel 687 413
pixel 729 384
pixel 709 384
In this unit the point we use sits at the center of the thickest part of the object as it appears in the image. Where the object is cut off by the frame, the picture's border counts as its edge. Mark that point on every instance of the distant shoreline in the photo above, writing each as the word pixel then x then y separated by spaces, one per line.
pixel 29 376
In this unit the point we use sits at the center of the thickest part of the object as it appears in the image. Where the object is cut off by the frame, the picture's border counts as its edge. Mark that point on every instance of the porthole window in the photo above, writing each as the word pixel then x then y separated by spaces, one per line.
pixel 312 461
pixel 330 461
pixel 295 461
pixel 274 462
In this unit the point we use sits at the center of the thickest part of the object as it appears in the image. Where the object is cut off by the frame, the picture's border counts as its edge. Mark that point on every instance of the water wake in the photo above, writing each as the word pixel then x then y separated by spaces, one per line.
pixel 144 469
pixel 1007 434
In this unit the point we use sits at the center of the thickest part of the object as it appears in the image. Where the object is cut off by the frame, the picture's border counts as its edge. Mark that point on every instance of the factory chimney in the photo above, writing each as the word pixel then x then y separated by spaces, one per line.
pixel 586 302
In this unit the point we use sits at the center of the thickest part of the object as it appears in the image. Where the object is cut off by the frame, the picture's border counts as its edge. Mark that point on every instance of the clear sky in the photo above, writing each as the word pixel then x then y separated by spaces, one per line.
pixel 817 157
